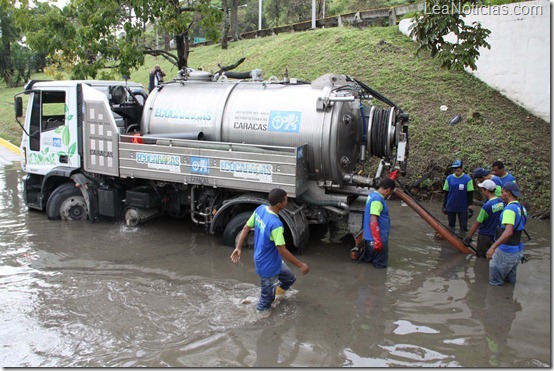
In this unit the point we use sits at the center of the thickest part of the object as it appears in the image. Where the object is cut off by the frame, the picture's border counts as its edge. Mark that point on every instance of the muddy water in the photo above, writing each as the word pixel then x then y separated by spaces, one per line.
pixel 165 294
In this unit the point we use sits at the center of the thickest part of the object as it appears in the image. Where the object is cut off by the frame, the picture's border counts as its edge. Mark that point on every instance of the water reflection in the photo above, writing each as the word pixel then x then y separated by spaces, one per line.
pixel 495 310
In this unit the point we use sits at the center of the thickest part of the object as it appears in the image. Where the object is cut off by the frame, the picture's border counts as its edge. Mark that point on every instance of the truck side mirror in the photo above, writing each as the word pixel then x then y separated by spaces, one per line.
pixel 18 106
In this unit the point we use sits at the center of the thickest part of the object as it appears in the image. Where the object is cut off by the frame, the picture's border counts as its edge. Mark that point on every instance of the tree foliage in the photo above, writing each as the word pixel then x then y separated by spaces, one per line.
pixel 17 61
pixel 9 34
pixel 432 26
pixel 93 35
pixel 87 36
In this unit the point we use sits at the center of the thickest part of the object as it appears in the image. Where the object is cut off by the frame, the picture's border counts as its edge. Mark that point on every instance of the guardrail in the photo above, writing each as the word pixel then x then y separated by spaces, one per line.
pixel 365 18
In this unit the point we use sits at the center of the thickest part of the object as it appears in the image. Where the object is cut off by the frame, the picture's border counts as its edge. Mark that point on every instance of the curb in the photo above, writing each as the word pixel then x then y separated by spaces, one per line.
pixel 4 143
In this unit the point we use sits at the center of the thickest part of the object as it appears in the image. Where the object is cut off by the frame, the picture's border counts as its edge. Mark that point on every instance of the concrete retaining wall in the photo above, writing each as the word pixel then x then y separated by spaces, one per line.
pixel 518 63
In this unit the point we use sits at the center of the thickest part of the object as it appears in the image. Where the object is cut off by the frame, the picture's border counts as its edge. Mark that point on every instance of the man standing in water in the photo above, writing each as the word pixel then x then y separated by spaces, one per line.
pixel 458 189
pixel 506 252
pixel 270 249
pixel 377 225
pixel 487 220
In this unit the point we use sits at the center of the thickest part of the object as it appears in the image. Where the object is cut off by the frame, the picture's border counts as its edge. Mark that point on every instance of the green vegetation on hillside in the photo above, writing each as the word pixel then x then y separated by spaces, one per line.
pixel 492 128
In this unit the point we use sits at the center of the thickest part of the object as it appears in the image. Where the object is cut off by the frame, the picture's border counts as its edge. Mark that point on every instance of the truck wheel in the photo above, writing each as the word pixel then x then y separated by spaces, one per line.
pixel 234 227
pixel 67 203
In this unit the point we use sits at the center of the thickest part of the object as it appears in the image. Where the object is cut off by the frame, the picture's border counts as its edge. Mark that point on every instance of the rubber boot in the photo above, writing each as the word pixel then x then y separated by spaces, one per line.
pixel 279 292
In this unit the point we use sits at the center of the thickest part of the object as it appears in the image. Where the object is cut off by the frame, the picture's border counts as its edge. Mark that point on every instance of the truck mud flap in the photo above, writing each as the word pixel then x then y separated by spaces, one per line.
pixel 297 222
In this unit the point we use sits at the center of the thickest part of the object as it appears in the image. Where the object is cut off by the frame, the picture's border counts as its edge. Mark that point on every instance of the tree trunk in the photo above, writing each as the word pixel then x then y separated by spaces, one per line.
pixel 235 33
pixel 277 12
pixel 166 41
pixel 6 65
pixel 226 26
pixel 182 45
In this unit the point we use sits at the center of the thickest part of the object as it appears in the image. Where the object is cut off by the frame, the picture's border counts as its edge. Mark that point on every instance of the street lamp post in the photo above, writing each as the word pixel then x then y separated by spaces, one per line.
pixel 260 16
pixel 313 14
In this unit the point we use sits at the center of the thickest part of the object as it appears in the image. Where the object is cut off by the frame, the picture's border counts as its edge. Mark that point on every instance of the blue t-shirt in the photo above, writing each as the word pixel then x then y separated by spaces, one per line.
pixel 507 178
pixel 489 216
pixel 376 205
pixel 515 214
pixel 457 188
pixel 268 234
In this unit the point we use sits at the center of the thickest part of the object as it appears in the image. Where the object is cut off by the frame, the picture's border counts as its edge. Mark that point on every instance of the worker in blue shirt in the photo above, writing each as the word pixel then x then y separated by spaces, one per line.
pixel 270 249
pixel 481 174
pixel 501 173
pixel 458 188
pixel 487 220
pixel 506 252
pixel 377 225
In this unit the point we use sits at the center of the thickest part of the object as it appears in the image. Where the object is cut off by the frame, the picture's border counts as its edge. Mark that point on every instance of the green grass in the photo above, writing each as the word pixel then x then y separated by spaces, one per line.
pixel 493 128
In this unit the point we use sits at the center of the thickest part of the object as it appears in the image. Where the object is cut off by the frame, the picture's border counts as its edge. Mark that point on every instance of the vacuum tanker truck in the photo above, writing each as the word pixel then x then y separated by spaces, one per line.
pixel 209 148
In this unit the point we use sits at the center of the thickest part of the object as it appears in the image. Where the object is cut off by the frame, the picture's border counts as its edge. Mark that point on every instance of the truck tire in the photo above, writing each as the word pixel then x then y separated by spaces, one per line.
pixel 67 203
pixel 232 230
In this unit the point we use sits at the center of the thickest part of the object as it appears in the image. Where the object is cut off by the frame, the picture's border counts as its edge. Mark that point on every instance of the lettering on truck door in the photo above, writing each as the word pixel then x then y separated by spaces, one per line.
pixel 52 143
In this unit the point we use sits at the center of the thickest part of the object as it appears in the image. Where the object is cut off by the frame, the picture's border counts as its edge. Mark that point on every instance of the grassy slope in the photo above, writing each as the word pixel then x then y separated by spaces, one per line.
pixel 493 128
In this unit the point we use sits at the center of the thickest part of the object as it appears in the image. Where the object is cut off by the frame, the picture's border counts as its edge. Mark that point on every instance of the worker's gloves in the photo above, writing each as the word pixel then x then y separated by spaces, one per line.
pixel 467 240
pixel 377 246
pixel 376 234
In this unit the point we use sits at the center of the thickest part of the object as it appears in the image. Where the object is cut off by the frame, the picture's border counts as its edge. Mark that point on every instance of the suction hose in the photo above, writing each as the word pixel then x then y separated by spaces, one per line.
pixel 437 226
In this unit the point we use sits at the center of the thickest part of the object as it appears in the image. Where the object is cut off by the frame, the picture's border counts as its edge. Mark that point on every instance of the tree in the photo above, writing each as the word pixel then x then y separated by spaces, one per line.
pixel 226 25
pixel 440 18
pixel 99 34
pixel 234 18
pixel 248 19
pixel 9 34
pixel 23 61
pixel 179 19
pixel 230 22
pixel 279 12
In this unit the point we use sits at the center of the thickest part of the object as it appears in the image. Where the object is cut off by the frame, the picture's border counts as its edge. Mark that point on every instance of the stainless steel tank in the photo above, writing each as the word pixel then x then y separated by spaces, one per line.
pixel 324 115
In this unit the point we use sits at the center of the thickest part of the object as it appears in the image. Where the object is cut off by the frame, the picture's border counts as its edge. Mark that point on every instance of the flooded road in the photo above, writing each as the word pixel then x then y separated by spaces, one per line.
pixel 165 294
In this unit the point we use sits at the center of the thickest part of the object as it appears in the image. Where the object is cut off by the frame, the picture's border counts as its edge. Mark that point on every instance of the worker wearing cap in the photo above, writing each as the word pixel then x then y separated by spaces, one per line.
pixel 506 252
pixel 377 225
pixel 458 187
pixel 487 220
pixel 501 173
pixel 481 174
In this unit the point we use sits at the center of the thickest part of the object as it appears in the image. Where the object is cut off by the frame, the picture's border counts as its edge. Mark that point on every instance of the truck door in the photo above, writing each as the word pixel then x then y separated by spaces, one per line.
pixel 52 142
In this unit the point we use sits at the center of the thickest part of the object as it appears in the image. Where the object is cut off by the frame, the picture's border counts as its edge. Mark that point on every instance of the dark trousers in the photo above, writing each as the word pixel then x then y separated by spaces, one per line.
pixel 462 218
pixel 484 242
pixel 380 259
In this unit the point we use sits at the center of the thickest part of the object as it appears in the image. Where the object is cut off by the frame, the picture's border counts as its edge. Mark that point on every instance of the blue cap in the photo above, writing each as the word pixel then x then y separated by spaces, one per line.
pixel 457 163
pixel 512 187
pixel 480 172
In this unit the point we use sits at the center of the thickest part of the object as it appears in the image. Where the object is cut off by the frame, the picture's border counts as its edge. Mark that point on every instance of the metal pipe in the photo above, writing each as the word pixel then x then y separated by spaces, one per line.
pixel 195 212
pixel 437 226
pixel 359 180
pixel 222 146
pixel 380 169
pixel 152 139
pixel 136 215
pixel 342 209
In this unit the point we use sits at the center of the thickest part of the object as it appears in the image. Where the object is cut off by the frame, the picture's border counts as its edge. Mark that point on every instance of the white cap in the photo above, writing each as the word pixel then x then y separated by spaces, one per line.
pixel 488 184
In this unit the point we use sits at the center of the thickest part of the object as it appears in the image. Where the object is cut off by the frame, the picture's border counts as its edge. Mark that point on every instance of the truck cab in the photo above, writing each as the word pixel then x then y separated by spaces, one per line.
pixel 51 143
